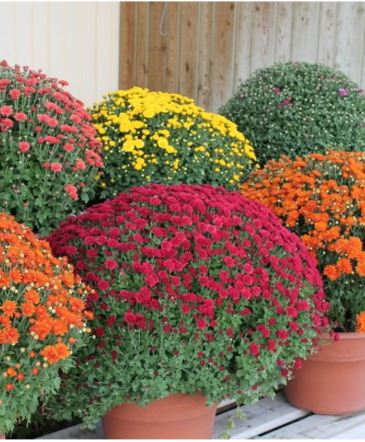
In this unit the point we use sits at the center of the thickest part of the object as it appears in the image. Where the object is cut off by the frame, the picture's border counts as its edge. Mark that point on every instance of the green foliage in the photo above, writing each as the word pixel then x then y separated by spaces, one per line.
pixel 298 108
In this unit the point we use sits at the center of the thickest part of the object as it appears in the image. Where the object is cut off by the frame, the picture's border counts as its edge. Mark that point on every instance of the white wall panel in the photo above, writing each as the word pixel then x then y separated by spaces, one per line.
pixel 73 41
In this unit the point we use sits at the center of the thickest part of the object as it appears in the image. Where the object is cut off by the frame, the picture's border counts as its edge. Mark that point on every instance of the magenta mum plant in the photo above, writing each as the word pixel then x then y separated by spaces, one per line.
pixel 196 289
pixel 49 150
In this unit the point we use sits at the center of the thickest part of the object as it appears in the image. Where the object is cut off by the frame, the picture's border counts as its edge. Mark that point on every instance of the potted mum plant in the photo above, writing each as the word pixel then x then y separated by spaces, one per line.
pixel 321 198
pixel 200 295
pixel 42 321
pixel 49 152
pixel 296 108
pixel 164 138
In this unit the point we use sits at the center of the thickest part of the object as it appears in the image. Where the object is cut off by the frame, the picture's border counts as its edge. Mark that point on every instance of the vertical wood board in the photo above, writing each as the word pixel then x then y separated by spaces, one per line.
pixel 188 48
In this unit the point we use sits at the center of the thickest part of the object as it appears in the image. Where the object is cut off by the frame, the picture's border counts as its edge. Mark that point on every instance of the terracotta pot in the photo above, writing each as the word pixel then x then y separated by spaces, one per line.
pixel 178 416
pixel 331 381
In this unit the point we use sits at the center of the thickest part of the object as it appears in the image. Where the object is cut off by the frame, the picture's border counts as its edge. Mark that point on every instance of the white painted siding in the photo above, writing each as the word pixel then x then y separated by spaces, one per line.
pixel 73 41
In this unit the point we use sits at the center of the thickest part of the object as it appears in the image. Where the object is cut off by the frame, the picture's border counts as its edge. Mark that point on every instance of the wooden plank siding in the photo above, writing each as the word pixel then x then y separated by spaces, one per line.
pixel 204 49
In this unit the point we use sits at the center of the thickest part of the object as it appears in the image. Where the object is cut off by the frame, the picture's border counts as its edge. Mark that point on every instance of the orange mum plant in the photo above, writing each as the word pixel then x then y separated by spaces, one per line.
pixel 42 321
pixel 321 197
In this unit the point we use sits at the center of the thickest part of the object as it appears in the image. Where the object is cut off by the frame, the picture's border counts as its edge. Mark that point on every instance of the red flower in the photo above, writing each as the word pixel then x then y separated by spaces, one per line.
pixel 111 264
pixel 103 285
pixel 201 324
pixel 99 332
pixel 254 349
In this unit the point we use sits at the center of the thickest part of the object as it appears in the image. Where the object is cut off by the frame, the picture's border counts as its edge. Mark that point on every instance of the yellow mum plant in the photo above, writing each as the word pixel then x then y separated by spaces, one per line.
pixel 165 138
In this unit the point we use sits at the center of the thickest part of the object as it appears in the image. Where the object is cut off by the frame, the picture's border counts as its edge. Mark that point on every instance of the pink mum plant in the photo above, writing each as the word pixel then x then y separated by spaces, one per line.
pixel 49 153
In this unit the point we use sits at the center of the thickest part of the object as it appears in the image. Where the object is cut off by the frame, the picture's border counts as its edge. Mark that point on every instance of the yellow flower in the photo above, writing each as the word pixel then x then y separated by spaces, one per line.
pixel 149 113
pixel 162 142
pixel 128 146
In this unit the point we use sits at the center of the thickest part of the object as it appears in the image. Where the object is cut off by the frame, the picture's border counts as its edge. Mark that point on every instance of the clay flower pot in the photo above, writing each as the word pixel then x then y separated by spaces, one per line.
pixel 331 381
pixel 178 416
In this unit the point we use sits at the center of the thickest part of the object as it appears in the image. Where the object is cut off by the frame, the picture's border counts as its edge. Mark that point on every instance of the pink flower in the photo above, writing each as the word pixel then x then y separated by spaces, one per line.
pixel 20 116
pixel 56 167
pixel 75 118
pixel 14 94
pixel 43 118
pixel 69 147
pixel 343 92
pixel 6 111
pixel 52 122
pixel 52 140
pixel 79 165
pixel 28 90
pixel 7 123
pixel 72 191
pixel 23 146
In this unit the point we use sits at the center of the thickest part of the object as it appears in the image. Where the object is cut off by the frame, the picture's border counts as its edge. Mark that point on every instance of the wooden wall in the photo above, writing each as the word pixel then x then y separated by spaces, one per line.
pixel 73 41
pixel 203 49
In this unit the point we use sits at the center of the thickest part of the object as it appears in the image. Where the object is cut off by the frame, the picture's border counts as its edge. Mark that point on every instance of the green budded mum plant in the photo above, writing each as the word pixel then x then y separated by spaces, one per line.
pixel 298 108
pixel 48 148
pixel 196 289
pixel 164 138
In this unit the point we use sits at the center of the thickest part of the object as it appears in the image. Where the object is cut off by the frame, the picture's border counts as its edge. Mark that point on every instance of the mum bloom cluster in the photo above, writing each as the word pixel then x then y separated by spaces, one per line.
pixel 165 138
pixel 42 320
pixel 298 108
pixel 321 197
pixel 196 289
pixel 49 153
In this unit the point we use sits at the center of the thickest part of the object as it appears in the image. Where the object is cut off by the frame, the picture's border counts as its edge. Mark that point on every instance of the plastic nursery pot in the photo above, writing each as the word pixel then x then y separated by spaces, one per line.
pixel 178 416
pixel 331 381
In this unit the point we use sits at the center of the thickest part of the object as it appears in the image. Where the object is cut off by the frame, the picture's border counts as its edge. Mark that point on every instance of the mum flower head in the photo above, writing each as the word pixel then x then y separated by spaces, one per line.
pixel 321 198
pixel 165 138
pixel 39 121
pixel 196 288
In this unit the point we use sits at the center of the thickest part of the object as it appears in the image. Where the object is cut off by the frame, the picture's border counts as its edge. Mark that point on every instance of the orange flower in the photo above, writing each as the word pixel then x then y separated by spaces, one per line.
pixel 15 275
pixel 344 266
pixel 41 329
pixel 360 268
pixel 54 353
pixel 32 296
pixel 28 309
pixel 59 327
pixel 9 308
pixel 77 304
pixel 360 319
pixel 9 335
pixel 331 272
pixel 11 372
